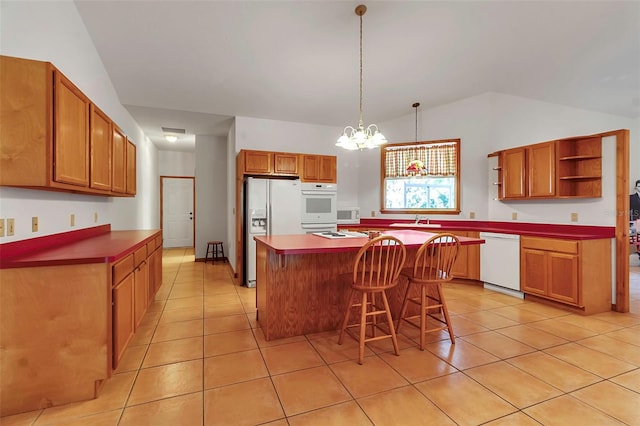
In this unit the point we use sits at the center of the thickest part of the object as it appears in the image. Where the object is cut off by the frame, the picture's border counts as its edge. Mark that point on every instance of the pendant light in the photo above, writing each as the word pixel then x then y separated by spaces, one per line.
pixel 416 167
pixel 359 138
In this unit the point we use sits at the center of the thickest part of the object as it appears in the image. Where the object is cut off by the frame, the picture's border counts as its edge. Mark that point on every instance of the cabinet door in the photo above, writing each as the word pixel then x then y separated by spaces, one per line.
pixel 141 288
pixel 310 166
pixel 563 277
pixel 71 127
pixel 258 162
pixel 285 164
pixel 541 168
pixel 131 168
pixel 327 169
pixel 152 259
pixel 122 317
pixel 533 271
pixel 119 158
pixel 158 272
pixel 513 173
pixel 101 151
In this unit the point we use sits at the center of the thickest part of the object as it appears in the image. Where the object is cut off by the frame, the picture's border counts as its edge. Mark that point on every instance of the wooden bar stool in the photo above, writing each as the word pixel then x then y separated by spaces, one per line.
pixel 432 267
pixel 377 268
pixel 216 248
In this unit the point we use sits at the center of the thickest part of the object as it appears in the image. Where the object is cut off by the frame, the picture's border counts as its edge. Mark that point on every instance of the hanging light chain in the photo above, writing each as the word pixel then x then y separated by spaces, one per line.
pixel 415 106
pixel 361 122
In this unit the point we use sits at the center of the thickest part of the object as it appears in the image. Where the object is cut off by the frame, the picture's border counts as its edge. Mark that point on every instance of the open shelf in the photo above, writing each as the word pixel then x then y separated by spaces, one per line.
pixel 579 167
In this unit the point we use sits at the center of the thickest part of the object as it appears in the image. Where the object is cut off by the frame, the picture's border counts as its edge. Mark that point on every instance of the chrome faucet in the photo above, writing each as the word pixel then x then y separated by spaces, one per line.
pixel 418 219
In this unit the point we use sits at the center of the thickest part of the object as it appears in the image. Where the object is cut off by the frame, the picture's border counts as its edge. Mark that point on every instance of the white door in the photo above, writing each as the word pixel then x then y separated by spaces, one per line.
pixel 177 212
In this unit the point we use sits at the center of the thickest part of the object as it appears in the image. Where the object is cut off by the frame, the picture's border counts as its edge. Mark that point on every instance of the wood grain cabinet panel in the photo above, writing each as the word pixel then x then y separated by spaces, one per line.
pixel 119 144
pixel 52 137
pixel 541 170
pixel 285 164
pixel 574 273
pixel 100 149
pixel 123 317
pixel 318 168
pixel 565 168
pixel 71 142
pixel 258 162
pixel 131 168
pixel 514 173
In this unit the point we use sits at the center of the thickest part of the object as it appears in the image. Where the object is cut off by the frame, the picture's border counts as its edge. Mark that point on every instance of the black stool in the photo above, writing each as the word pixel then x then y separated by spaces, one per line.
pixel 216 248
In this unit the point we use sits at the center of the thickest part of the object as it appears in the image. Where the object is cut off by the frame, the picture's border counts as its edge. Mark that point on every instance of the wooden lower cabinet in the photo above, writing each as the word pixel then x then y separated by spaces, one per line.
pixel 574 273
pixel 468 261
pixel 144 280
pixel 123 317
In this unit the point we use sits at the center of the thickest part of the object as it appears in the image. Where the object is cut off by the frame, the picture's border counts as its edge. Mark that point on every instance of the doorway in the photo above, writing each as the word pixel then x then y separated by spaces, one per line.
pixel 177 211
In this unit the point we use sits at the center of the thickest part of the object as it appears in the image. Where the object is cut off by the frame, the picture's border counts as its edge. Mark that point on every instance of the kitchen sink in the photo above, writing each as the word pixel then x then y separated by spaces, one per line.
pixel 415 225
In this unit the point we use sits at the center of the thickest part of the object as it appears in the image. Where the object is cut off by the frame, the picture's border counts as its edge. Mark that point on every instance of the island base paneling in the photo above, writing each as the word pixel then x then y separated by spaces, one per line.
pixel 53 335
pixel 307 293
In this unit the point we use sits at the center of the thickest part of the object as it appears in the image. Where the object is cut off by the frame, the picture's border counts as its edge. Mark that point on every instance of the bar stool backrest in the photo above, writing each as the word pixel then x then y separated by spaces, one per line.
pixel 435 258
pixel 378 264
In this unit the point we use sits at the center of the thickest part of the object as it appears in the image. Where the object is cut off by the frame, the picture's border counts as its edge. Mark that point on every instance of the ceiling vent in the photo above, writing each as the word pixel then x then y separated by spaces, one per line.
pixel 172 130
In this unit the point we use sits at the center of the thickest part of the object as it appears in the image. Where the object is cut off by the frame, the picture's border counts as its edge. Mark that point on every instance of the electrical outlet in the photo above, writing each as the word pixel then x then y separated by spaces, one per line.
pixel 95 217
pixel 514 216
pixel 373 213
pixel 72 220
pixel 34 224
pixel 1 227
pixel 574 217
pixel 11 228
pixel 472 215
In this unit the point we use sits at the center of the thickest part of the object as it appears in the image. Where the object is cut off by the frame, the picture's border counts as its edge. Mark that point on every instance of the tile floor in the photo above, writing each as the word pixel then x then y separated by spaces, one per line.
pixel 200 358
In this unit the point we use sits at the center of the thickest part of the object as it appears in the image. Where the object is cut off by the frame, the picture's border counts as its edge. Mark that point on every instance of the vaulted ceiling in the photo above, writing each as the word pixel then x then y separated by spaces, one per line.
pixel 196 64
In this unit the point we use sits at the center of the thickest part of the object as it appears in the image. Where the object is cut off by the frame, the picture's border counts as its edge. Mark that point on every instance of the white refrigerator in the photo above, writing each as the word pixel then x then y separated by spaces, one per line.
pixel 272 207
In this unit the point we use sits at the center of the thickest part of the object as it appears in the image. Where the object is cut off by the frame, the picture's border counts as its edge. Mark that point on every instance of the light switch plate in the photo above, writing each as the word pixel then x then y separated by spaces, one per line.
pixel 574 217
pixel 72 220
pixel 472 215
pixel 514 216
pixel 10 227
pixel 2 227
pixel 95 217
pixel 34 224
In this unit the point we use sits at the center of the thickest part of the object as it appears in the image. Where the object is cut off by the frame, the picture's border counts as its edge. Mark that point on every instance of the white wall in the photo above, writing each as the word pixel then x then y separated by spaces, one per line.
pixel 61 38
pixel 176 163
pixel 211 192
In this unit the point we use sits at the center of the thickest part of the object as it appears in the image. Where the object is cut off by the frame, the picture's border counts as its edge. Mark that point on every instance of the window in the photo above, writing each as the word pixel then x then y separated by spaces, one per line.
pixel 421 177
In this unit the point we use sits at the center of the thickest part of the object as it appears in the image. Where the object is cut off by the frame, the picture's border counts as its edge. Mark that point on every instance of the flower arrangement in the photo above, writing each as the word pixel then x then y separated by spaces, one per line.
pixel 415 167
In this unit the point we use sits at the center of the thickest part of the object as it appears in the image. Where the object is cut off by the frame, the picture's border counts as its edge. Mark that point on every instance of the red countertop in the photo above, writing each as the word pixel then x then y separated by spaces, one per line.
pixel 569 232
pixel 313 244
pixel 90 245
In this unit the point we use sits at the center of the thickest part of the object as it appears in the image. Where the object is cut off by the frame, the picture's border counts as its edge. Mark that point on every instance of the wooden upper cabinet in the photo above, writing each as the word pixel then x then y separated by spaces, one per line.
pixel 100 149
pixel 119 177
pixel 52 137
pixel 318 168
pixel 541 169
pixel 71 126
pixel 268 163
pixel 258 162
pixel 285 164
pixel 513 163
pixel 131 168
pixel 564 168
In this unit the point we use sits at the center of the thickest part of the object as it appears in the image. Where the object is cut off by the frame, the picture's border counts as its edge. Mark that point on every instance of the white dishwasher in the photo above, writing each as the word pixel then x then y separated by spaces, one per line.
pixel 500 263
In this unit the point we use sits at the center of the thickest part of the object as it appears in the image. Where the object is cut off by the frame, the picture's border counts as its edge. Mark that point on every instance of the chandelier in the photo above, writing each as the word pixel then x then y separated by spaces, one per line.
pixel 361 137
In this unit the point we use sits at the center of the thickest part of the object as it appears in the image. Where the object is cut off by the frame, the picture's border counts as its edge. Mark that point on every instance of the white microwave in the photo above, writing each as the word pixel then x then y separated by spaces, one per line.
pixel 347 215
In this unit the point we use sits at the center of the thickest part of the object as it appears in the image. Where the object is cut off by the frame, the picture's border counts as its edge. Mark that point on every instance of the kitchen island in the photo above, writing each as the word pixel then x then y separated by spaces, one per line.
pixel 303 281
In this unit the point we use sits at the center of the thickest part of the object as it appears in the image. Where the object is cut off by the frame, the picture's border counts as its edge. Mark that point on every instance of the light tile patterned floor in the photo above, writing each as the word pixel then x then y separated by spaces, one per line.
pixel 200 358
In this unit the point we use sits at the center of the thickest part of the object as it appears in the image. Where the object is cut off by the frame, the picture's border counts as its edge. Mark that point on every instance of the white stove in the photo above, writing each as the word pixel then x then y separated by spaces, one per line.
pixel 341 235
